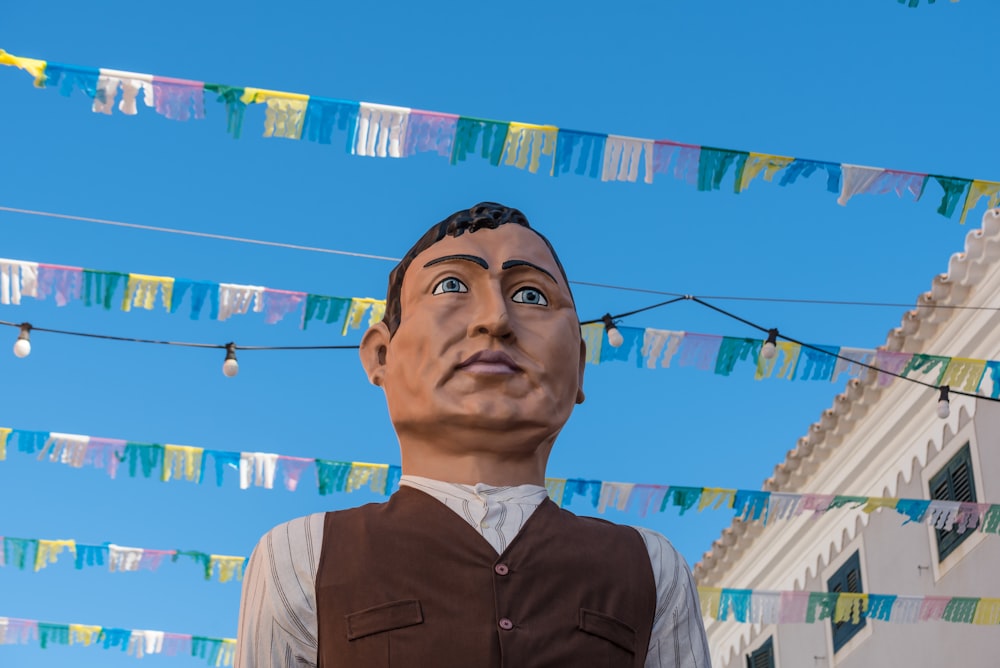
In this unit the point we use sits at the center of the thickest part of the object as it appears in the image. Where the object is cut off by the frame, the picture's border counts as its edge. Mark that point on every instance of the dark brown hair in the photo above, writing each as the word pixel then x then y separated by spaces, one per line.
pixel 485 215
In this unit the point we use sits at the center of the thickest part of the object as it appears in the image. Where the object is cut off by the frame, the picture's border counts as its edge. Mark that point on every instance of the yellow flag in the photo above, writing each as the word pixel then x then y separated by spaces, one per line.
pixel 987 612
pixel 35 68
pixel 83 634
pixel 593 336
pixel 229 567
pixel 964 373
pixel 375 475
pixel 788 352
pixel 48 550
pixel 556 487
pixel 709 598
pixel 360 306
pixel 762 162
pixel 227 653
pixel 977 191
pixel 182 461
pixel 724 498
pixel 849 607
pixel 526 144
pixel 286 112
pixel 4 435
pixel 874 503
pixel 141 291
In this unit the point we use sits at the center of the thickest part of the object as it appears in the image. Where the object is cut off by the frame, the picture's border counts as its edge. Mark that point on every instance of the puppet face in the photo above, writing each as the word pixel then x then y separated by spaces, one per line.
pixel 488 339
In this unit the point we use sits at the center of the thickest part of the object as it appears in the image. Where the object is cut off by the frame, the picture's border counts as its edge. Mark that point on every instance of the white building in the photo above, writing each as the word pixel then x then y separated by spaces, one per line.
pixel 886 441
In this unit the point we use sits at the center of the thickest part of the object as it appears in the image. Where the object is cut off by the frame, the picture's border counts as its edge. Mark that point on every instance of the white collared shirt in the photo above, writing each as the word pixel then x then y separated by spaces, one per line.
pixel 277 626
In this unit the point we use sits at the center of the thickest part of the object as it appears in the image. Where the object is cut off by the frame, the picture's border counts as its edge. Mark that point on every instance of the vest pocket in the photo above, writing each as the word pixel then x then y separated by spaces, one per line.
pixel 385 617
pixel 610 628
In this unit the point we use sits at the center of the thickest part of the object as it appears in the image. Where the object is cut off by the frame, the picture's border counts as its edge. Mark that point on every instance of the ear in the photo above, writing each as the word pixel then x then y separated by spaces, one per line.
pixel 583 363
pixel 373 349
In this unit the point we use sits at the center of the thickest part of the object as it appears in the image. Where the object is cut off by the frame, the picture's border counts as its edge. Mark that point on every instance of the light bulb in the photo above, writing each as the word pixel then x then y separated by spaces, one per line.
pixel 944 406
pixel 230 367
pixel 22 347
pixel 615 337
pixel 770 347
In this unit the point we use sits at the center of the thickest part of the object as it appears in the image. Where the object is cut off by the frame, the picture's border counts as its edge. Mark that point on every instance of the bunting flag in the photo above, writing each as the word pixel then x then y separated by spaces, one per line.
pixel 384 131
pixel 138 643
pixel 37 553
pixel 21 278
pixel 723 604
pixel 262 469
pixel 658 348
pixel 751 606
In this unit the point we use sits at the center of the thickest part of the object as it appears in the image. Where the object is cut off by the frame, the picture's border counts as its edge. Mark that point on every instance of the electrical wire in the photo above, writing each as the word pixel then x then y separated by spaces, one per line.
pixel 697 300
pixel 185 344
pixel 204 235
pixel 370 256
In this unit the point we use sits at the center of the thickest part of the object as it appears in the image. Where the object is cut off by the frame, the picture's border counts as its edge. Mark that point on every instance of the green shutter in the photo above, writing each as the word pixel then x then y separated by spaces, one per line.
pixel 954 482
pixel 846 580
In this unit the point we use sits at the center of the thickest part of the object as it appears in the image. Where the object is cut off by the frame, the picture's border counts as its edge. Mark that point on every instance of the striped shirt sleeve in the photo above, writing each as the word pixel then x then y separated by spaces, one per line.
pixel 678 638
pixel 277 623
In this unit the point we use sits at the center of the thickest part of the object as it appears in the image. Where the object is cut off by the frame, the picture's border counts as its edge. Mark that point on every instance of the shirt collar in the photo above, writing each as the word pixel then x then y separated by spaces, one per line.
pixel 527 494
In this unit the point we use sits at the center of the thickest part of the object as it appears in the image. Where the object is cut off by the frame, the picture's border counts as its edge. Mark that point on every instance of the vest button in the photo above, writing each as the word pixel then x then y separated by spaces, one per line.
pixel 501 569
pixel 506 624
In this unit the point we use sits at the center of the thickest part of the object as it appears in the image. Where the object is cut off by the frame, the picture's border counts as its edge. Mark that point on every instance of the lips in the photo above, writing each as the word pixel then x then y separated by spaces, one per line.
pixel 490 361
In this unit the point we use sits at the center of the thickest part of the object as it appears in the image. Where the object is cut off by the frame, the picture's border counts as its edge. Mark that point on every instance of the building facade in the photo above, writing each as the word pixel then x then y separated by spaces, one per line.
pixel 883 437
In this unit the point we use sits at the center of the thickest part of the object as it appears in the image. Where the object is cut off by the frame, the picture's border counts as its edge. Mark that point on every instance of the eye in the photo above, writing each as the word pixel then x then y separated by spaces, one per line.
pixel 530 296
pixel 450 284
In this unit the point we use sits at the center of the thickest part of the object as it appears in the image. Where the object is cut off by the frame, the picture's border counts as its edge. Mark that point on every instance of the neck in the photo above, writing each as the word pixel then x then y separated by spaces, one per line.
pixel 470 466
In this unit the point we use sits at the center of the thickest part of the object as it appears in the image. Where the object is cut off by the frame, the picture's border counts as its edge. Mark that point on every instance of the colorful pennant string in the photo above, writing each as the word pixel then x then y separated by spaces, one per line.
pixel 20 279
pixel 741 605
pixel 262 469
pixel 383 131
pixel 658 348
pixel 37 553
pixel 135 642
pixel 805 607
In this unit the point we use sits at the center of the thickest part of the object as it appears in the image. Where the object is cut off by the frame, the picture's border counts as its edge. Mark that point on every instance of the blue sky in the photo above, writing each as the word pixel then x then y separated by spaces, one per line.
pixel 858 81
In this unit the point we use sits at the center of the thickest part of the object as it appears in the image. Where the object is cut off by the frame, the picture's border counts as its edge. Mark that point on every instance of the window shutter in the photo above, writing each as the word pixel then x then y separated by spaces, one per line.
pixel 846 580
pixel 954 482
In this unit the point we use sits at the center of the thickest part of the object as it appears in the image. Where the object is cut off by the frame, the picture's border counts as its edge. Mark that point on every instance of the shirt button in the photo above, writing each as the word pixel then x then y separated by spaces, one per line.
pixel 501 569
pixel 506 624
pixel 484 525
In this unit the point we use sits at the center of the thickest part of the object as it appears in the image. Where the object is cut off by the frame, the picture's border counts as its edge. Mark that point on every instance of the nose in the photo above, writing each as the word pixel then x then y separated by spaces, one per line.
pixel 491 316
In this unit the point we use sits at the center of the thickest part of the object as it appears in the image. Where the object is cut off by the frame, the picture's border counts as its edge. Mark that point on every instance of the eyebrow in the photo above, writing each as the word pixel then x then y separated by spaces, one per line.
pixel 510 264
pixel 467 258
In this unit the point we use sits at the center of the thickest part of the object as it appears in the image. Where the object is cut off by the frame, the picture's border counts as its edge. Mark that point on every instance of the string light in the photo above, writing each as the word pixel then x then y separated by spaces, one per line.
pixel 609 321
pixel 22 347
pixel 615 337
pixel 770 347
pixel 944 405
pixel 230 367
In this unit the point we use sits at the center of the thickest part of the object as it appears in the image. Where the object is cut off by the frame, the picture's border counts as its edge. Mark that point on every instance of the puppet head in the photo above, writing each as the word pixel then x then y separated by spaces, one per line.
pixel 479 354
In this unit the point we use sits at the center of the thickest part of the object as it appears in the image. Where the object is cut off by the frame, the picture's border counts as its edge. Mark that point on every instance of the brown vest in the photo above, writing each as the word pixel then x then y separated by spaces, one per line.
pixel 409 583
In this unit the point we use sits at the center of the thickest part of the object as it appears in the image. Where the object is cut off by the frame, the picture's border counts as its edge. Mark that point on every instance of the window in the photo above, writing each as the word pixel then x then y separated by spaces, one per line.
pixel 953 482
pixel 847 579
pixel 763 656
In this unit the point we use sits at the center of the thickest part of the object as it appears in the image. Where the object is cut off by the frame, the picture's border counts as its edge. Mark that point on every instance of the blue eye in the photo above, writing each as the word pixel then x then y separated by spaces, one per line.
pixel 530 296
pixel 450 284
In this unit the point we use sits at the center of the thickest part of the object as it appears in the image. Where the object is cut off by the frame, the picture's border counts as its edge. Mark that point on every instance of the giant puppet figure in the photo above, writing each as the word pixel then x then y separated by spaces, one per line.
pixel 469 564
